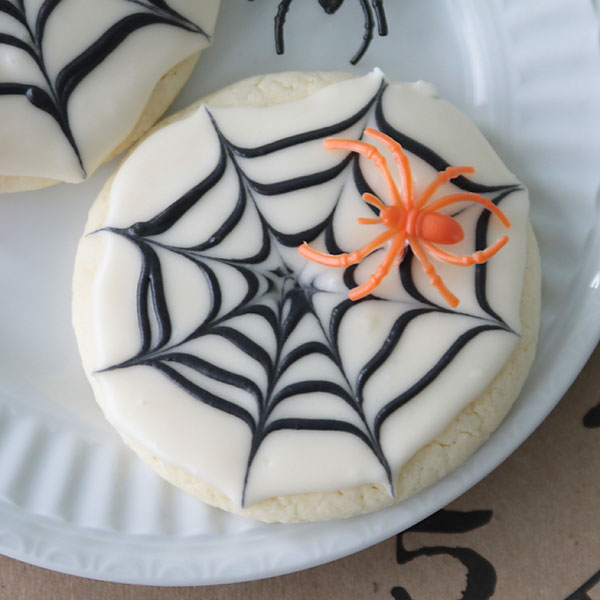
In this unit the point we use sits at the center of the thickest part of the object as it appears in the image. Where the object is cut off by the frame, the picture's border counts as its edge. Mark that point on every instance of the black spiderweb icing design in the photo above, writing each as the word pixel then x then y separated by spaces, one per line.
pixel 280 304
pixel 53 96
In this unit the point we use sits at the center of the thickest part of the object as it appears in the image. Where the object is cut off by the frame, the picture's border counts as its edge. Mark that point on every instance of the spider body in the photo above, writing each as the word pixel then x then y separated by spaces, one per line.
pixel 428 226
pixel 331 7
pixel 409 221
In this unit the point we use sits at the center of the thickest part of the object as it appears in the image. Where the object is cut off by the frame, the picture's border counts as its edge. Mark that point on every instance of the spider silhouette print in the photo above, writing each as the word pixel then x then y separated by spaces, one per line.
pixel 409 221
pixel 371 13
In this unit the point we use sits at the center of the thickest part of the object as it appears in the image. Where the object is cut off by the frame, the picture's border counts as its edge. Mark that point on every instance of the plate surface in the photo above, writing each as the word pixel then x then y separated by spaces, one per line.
pixel 74 499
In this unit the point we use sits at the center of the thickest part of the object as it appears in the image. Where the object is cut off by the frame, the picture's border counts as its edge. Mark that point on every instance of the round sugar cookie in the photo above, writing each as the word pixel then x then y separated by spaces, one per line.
pixel 70 102
pixel 240 370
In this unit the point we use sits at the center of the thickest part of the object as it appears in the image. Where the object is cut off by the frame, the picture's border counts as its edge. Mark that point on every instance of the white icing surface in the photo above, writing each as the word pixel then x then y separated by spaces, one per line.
pixel 107 102
pixel 146 404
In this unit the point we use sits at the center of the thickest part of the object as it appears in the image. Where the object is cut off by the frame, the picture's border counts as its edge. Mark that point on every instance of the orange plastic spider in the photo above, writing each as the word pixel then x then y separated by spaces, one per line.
pixel 409 221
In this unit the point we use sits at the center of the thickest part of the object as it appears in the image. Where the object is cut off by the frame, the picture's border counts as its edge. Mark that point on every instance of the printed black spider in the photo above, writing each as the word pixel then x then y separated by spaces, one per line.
pixel 330 7
pixel 592 417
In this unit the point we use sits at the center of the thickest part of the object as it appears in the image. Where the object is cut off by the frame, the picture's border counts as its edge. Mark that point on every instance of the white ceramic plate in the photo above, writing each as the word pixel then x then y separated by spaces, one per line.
pixel 72 498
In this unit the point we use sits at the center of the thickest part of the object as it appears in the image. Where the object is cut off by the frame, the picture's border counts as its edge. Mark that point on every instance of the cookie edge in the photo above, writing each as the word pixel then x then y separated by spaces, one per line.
pixel 463 436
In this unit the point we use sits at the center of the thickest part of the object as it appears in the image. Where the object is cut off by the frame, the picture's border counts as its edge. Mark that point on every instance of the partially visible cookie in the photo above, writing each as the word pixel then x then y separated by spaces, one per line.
pixel 88 80
pixel 241 371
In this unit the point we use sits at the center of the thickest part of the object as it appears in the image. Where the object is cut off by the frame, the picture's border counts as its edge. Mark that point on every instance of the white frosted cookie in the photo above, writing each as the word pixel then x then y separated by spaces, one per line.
pixel 240 369
pixel 81 80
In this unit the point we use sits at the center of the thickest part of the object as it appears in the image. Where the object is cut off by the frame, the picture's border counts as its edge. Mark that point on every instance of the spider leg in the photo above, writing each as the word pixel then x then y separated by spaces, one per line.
pixel 400 157
pixel 364 221
pixel 371 153
pixel 477 198
pixel 282 11
pixel 373 200
pixel 400 257
pixel 346 259
pixel 442 178
pixel 382 26
pixel 382 270
pixel 435 279
pixel 476 258
pixel 368 34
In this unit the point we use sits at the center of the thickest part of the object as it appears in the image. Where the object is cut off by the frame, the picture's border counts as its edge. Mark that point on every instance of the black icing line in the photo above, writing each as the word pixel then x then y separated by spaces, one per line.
pixel 311 386
pixel 481 230
pixel 330 241
pixel 301 351
pixel 49 102
pixel 246 345
pixel 212 371
pixel 335 425
pixel 240 310
pixel 216 298
pixel 228 225
pixel 44 102
pixel 212 323
pixel 316 425
pixel 266 246
pixel 150 288
pixel 407 281
pixel 171 354
pixel 278 188
pixel 260 310
pixel 361 183
pixel 142 307
pixel 183 22
pixel 388 346
pixel 430 376
pixel 80 67
pixel 260 256
pixel 307 136
pixel 296 301
pixel 42 18
pixel 10 9
pixel 194 253
pixel 337 316
pixel 362 187
pixel 252 283
pixel 349 278
pixel 297 424
pixel 293 240
pixel 251 277
pixel 204 395
pixel 431 157
pixel 15 42
pixel 299 183
pixel 175 211
pixel 169 216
